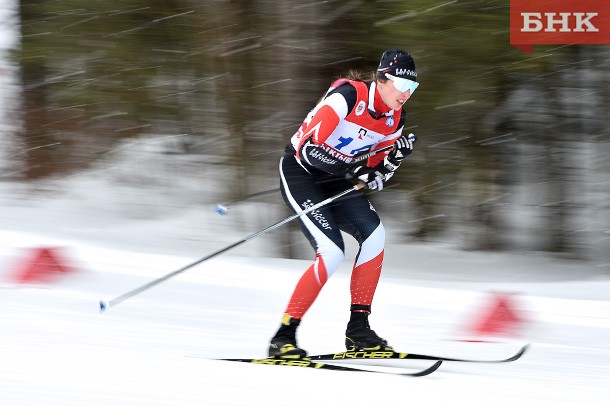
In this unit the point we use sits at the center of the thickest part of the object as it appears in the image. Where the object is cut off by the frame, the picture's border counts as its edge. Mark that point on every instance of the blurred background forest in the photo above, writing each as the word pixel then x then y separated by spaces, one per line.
pixel 512 152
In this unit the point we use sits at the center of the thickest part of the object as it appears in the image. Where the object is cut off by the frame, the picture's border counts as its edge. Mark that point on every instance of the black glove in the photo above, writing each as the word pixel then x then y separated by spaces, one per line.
pixel 371 178
pixel 403 146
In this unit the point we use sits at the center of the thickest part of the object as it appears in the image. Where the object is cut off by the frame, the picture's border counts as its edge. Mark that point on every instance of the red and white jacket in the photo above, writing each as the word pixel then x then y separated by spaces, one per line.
pixel 350 120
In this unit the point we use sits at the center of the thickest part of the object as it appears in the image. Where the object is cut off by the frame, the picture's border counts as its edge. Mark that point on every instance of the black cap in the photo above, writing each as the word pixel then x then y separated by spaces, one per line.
pixel 398 63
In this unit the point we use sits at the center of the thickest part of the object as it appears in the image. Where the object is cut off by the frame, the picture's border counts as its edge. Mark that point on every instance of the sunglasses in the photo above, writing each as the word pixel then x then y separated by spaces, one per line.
pixel 403 84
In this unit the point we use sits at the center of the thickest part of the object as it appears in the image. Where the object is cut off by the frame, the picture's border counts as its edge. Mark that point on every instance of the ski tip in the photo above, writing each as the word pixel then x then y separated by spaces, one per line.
pixel 428 371
pixel 519 353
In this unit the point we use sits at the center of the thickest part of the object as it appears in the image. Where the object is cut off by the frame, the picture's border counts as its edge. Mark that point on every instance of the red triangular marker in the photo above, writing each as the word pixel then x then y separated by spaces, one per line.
pixel 41 265
pixel 500 318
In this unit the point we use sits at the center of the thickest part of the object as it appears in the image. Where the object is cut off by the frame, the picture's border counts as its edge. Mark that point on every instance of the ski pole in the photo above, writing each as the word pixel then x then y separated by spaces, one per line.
pixel 223 209
pixel 119 299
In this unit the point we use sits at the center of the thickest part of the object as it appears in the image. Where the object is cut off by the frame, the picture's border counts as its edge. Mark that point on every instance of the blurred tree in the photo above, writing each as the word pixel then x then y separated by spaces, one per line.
pixel 236 77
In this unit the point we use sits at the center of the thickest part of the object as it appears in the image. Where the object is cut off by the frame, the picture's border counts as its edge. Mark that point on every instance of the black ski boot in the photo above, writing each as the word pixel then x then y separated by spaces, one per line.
pixel 359 336
pixel 284 343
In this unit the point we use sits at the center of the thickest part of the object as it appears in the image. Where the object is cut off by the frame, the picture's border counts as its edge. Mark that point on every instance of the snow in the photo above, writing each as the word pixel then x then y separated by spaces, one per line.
pixel 120 226
pixel 157 347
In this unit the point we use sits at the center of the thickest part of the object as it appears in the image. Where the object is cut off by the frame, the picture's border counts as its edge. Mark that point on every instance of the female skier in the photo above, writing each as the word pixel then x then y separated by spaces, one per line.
pixel 356 116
